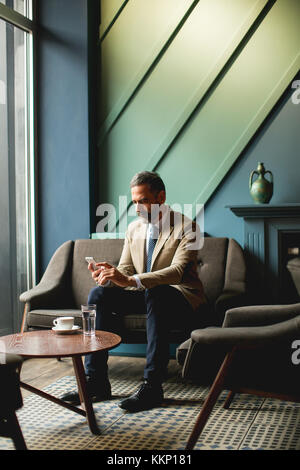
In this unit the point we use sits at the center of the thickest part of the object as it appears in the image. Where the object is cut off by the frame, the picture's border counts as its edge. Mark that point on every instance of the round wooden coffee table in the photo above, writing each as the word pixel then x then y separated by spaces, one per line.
pixel 46 344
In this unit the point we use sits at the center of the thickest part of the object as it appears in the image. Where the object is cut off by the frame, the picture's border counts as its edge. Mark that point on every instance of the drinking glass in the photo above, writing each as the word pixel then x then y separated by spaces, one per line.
pixel 88 313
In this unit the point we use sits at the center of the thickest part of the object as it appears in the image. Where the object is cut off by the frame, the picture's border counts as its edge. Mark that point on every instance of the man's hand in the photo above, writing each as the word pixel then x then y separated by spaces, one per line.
pixel 106 272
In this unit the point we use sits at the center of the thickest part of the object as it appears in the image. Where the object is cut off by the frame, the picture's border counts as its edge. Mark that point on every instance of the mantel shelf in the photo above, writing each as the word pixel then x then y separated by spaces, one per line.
pixel 267 227
pixel 266 210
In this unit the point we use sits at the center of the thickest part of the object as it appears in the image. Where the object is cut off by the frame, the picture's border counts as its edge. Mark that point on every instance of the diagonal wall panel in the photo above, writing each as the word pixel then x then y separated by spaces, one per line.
pixel 130 48
pixel 109 12
pixel 229 118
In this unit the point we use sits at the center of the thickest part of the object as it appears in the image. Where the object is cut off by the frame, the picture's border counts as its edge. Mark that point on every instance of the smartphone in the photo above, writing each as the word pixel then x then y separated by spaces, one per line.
pixel 90 259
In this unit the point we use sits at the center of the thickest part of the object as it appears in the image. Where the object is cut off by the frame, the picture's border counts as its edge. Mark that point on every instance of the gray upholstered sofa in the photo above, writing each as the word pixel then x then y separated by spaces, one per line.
pixel 66 283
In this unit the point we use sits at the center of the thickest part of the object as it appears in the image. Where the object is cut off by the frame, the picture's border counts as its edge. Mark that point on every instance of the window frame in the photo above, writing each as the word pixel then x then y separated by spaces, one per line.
pixel 16 19
pixel 28 25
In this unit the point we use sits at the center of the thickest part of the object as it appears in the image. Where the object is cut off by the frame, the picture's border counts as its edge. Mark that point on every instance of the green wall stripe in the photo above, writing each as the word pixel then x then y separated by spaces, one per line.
pixel 111 10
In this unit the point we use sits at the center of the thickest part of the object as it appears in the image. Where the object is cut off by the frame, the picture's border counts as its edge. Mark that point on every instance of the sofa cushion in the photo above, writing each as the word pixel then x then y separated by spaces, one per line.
pixel 100 250
pixel 211 266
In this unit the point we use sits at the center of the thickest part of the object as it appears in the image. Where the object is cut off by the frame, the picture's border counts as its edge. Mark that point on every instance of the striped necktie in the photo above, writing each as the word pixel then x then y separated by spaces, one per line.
pixel 151 245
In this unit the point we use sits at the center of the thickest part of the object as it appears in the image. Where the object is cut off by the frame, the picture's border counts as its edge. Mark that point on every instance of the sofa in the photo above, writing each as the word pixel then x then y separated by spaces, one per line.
pixel 66 283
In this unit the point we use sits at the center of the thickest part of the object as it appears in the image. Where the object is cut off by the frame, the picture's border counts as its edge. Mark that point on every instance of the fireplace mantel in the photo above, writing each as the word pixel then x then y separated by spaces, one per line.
pixel 266 210
pixel 265 226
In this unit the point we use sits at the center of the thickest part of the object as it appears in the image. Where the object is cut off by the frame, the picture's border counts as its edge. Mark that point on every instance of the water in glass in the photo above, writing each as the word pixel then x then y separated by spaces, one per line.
pixel 88 320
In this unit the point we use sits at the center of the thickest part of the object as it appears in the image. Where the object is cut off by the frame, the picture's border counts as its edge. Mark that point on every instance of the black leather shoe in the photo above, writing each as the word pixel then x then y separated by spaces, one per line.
pixel 147 396
pixel 97 392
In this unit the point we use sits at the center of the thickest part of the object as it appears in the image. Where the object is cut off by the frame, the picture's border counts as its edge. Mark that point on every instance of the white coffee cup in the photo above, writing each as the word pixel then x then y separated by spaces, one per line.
pixel 64 323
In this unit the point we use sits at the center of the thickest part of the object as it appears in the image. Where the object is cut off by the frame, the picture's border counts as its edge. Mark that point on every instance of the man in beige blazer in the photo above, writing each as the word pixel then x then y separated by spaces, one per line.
pixel 157 275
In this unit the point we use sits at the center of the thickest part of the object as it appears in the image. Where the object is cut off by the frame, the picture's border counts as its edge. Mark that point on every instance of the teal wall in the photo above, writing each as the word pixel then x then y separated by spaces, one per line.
pixel 185 87
pixel 277 144
pixel 66 113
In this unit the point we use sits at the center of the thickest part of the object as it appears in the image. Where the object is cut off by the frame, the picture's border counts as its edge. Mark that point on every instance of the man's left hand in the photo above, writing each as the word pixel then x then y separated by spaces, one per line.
pixel 111 273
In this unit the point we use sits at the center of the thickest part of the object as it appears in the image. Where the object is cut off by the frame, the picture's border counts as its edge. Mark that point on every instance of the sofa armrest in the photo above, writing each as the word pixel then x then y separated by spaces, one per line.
pixel 56 280
pixel 260 315
pixel 247 337
pixel 42 294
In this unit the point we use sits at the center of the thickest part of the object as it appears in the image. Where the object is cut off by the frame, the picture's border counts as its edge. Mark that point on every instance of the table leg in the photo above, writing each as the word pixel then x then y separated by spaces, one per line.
pixel 83 394
pixel 58 401
pixel 15 432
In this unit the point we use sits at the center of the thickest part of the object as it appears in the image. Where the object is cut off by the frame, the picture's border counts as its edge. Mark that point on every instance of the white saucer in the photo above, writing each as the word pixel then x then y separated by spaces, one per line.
pixel 59 331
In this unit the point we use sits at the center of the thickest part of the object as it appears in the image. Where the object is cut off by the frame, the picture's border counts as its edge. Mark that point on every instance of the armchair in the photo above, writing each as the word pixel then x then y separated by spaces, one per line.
pixel 254 352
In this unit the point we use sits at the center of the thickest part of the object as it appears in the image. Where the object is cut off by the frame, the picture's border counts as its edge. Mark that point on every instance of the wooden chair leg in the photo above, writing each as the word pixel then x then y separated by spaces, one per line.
pixel 210 401
pixel 229 399
pixel 24 320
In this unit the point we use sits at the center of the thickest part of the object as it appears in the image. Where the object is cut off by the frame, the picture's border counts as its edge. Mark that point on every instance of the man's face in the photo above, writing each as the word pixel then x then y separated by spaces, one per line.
pixel 144 199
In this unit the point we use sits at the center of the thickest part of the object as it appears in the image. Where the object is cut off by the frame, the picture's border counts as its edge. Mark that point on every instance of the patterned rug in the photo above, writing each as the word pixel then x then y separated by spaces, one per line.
pixel 250 423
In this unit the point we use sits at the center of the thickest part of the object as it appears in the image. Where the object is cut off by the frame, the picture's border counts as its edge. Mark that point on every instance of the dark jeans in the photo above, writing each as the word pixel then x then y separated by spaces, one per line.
pixel 165 308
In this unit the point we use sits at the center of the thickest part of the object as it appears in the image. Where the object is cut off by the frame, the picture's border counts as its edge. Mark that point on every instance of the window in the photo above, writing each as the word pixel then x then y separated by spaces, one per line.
pixel 24 7
pixel 17 236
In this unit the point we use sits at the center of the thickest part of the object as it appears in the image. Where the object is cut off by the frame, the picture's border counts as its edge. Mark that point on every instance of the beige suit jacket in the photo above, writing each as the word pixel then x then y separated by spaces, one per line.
pixel 174 259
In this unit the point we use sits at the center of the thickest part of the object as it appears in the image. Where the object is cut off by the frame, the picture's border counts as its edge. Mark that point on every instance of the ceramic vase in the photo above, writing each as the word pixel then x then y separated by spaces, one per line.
pixel 261 189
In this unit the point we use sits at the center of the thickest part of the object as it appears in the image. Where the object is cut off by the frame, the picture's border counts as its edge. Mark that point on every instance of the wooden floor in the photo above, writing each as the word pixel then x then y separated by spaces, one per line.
pixel 42 372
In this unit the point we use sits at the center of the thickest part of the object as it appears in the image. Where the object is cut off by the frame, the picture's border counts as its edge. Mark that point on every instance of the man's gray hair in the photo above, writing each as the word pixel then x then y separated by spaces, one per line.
pixel 151 178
